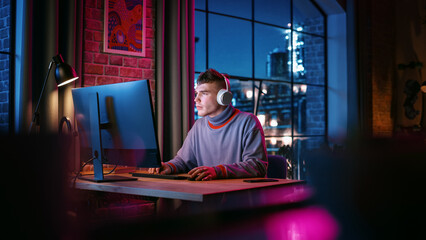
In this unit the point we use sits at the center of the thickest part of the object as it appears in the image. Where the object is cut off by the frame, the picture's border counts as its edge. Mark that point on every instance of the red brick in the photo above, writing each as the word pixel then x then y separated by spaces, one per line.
pixel 148 43
pixel 131 72
pixel 130 62
pixel 87 13
pixel 145 63
pixel 100 58
pixel 102 80
pixel 149 33
pixel 88 57
pixel 92 46
pixel 94 24
pixel 111 70
pixel 89 80
pixel 95 14
pixel 130 79
pixel 152 84
pixel 149 3
pixel 149 53
pixel 116 60
pixel 100 4
pixel 90 3
pixel 148 23
pixel 98 36
pixel 148 74
pixel 88 35
pixel 94 68
pixel 149 12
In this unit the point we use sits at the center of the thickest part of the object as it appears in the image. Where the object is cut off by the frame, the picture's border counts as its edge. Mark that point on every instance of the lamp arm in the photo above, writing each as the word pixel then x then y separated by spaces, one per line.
pixel 36 113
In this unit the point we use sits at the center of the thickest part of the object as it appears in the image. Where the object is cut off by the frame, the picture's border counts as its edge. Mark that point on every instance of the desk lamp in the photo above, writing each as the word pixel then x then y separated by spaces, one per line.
pixel 64 74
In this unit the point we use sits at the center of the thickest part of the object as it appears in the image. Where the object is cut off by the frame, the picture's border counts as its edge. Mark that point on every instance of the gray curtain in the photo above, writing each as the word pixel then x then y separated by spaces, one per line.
pixel 174 73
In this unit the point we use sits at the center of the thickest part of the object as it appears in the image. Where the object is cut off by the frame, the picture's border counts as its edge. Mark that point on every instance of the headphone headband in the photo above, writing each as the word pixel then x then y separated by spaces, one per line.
pixel 224 96
pixel 226 82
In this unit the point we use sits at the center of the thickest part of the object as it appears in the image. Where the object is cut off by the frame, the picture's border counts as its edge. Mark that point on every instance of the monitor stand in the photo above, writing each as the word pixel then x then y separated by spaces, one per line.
pixel 97 151
pixel 111 178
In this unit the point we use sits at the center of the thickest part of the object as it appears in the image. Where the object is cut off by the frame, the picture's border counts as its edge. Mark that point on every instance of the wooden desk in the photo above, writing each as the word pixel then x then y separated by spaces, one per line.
pixel 221 194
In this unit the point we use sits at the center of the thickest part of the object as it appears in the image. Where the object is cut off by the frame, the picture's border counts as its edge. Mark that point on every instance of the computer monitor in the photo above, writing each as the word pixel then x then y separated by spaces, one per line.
pixel 115 125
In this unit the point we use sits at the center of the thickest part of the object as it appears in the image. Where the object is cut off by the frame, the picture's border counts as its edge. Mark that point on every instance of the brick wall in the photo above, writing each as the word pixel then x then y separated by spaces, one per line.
pixel 101 68
pixel 314 63
pixel 4 64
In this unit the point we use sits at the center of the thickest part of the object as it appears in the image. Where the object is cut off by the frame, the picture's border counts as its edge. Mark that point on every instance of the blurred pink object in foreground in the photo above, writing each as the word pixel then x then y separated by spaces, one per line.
pixel 310 223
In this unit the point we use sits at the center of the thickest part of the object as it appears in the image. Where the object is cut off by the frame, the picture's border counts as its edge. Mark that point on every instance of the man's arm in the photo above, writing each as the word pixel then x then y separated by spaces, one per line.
pixel 254 158
pixel 184 159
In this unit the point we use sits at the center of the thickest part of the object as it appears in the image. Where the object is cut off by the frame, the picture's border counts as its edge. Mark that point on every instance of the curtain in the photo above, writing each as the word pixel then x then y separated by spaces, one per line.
pixel 70 45
pixel 51 28
pixel 174 73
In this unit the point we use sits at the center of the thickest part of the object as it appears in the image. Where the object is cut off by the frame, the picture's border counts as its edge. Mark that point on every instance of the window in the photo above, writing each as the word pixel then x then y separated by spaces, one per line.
pixel 6 67
pixel 274 51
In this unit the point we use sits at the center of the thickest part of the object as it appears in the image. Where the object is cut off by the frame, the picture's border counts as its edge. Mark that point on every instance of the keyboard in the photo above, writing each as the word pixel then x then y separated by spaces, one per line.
pixel 152 175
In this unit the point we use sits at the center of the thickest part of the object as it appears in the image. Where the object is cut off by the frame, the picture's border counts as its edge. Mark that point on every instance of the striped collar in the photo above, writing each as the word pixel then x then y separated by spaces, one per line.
pixel 235 112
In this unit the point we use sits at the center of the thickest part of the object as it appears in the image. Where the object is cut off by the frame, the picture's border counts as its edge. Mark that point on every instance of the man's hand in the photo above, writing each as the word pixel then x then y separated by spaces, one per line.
pixel 203 173
pixel 164 169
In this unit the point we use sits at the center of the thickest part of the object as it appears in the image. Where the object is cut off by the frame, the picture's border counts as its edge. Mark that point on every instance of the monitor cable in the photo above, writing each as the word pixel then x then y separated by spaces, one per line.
pixel 81 169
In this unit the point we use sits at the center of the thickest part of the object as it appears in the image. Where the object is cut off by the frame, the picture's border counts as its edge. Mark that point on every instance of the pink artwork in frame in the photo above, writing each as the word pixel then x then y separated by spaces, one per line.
pixel 124 27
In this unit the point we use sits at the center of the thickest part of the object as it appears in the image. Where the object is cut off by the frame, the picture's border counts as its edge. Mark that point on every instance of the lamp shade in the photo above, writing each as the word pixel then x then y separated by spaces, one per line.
pixel 64 73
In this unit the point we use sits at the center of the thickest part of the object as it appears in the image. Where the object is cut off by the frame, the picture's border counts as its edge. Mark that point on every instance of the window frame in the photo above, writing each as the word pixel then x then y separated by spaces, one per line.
pixel 257 82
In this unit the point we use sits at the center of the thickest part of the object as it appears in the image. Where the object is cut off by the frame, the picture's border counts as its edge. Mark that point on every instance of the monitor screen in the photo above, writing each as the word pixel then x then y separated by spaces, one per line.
pixel 125 121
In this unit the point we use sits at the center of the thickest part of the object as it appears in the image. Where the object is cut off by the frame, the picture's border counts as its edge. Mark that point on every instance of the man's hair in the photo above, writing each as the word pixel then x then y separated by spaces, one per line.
pixel 212 76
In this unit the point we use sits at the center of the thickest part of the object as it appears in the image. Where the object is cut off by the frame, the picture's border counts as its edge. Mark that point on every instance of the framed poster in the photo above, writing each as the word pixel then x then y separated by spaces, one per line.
pixel 124 27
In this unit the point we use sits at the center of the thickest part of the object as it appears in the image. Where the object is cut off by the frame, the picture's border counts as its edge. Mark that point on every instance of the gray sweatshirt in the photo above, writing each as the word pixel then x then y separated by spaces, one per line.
pixel 232 142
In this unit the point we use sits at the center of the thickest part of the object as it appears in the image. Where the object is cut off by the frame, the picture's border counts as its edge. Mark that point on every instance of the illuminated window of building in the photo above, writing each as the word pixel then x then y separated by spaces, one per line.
pixel 274 51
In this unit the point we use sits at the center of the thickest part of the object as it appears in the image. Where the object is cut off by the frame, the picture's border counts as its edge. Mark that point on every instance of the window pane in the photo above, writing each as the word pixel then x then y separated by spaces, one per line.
pixel 274 110
pixel 307 16
pixel 200 4
pixel 242 92
pixel 239 8
pixel 230 45
pixel 275 12
pixel 309 110
pixel 200 41
pixel 308 59
pixel 274 143
pixel 271 52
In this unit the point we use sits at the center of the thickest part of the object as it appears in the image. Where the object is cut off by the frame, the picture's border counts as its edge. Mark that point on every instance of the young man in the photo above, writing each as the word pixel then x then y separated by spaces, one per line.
pixel 225 143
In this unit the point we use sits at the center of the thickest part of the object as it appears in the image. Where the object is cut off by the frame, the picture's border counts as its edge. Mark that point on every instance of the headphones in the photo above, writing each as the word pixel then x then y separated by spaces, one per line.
pixel 224 96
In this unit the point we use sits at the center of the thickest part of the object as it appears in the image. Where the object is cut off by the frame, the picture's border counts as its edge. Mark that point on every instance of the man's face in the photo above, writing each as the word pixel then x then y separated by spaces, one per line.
pixel 205 100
